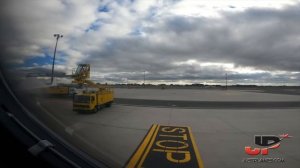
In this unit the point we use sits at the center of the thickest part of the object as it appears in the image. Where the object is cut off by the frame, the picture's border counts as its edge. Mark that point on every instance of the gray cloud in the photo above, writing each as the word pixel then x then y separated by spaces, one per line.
pixel 265 39
pixel 129 41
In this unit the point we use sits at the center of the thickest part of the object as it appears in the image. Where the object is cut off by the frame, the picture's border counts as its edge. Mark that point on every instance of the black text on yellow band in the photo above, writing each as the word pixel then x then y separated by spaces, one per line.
pixel 167 146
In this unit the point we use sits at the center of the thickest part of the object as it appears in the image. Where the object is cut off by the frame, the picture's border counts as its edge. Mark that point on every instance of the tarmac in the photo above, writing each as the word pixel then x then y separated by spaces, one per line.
pixel 221 131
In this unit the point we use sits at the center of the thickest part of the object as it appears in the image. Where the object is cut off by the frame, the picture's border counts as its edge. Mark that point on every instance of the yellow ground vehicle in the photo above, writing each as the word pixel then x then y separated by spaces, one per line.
pixel 57 90
pixel 80 78
pixel 82 74
pixel 92 101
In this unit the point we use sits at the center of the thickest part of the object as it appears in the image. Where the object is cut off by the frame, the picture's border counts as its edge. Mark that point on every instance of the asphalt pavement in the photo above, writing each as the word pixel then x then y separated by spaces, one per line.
pixel 222 129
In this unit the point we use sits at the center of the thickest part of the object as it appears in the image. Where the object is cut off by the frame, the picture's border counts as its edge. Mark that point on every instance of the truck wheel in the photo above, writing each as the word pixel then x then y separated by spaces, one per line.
pixel 108 104
pixel 95 110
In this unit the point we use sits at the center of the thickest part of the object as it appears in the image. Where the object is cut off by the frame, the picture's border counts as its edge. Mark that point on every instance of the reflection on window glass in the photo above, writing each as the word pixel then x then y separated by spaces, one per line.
pixel 81 99
pixel 113 78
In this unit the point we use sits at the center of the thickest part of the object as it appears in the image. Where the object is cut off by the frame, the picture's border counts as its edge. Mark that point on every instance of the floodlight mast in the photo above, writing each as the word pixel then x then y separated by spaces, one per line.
pixel 144 77
pixel 226 80
pixel 57 36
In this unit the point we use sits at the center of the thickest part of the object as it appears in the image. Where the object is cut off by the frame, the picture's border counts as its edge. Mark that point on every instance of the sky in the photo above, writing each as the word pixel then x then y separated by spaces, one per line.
pixel 168 41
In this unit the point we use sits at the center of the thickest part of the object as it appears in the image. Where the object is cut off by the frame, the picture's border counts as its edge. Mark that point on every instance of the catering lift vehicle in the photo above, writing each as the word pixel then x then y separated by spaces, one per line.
pixel 93 99
pixel 80 80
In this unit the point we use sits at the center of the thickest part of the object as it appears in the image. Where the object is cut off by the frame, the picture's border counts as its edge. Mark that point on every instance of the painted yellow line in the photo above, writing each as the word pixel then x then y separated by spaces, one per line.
pixel 149 147
pixel 142 147
pixel 200 161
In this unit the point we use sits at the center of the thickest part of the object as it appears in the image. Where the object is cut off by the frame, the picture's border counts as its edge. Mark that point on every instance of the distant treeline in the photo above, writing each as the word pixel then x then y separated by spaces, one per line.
pixel 136 85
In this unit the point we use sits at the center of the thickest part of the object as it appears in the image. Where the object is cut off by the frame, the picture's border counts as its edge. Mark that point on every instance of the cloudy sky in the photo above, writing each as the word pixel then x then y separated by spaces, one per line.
pixel 170 41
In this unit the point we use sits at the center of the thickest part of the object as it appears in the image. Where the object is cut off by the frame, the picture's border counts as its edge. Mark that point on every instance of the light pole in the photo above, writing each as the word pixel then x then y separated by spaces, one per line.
pixel 226 80
pixel 144 77
pixel 57 36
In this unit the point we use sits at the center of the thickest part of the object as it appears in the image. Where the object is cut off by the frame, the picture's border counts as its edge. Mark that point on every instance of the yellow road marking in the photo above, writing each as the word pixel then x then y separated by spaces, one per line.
pixel 199 158
pixel 142 148
pixel 149 147
pixel 144 154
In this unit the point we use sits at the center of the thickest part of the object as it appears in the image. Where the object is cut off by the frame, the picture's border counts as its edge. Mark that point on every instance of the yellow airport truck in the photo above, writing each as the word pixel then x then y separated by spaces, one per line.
pixel 80 78
pixel 57 90
pixel 92 101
